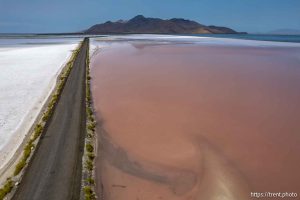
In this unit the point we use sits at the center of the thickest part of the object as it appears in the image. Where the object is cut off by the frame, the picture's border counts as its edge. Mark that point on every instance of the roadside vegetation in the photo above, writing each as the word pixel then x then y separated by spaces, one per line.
pixel 39 128
pixel 6 188
pixel 89 151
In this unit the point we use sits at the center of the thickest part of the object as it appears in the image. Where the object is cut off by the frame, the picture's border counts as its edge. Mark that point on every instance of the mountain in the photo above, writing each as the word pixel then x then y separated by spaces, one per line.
pixel 285 32
pixel 141 24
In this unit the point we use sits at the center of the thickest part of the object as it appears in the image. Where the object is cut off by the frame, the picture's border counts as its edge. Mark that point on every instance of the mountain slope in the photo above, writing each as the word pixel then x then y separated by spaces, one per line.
pixel 141 24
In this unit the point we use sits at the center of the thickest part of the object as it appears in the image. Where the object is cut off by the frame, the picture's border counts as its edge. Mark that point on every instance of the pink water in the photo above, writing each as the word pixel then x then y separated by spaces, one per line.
pixel 190 122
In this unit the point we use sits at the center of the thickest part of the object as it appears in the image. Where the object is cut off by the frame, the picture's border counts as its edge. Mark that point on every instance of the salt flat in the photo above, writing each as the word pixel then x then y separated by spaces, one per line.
pixel 28 75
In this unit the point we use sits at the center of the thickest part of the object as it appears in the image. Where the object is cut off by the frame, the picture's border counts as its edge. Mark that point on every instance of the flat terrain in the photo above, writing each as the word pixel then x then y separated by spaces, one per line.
pixel 201 121
pixel 28 75
pixel 55 170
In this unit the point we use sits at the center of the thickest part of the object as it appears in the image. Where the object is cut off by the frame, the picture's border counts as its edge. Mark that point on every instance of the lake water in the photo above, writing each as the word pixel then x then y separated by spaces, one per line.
pixel 196 121
pixel 259 37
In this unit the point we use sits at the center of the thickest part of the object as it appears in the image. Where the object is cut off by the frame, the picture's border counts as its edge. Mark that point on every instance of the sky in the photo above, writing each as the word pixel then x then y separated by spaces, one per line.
pixel 55 16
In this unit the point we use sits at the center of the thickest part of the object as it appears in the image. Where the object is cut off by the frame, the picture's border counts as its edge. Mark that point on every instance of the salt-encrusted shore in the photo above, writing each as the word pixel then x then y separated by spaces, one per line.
pixel 28 76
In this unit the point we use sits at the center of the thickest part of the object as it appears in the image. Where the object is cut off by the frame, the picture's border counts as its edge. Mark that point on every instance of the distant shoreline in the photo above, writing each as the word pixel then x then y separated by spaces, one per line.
pixel 255 37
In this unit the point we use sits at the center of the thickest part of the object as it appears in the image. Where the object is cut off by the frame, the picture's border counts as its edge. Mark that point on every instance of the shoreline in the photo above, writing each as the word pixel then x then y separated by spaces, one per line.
pixel 90 150
pixel 19 140
pixel 198 39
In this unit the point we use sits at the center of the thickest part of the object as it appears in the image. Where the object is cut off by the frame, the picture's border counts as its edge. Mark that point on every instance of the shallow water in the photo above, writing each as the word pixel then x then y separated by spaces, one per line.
pixel 196 122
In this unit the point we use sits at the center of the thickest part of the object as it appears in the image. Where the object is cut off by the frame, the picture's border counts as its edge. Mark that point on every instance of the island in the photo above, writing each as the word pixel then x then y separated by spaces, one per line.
pixel 144 25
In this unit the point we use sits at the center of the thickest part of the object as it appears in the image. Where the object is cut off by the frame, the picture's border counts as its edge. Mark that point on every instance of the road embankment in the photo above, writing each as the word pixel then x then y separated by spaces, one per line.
pixel 55 169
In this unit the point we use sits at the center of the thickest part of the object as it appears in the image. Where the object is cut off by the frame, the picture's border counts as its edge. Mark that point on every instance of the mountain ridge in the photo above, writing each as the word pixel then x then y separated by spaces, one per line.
pixel 141 24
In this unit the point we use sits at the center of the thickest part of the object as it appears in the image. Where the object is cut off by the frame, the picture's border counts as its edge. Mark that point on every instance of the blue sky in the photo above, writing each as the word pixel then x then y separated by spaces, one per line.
pixel 37 16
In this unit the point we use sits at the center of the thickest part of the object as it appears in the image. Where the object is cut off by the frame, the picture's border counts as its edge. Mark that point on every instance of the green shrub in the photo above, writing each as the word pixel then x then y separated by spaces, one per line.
pixel 88 190
pixel 6 189
pixel 89 165
pixel 91 118
pixel 59 87
pixel 89 148
pixel 91 156
pixel 89 194
pixel 20 166
pixel 88 95
pixel 51 105
pixel 49 111
pixel 37 132
pixel 91 126
pixel 89 111
pixel 90 181
pixel 45 117
pixel 88 92
pixel 38 129
pixel 27 150
pixel 54 98
pixel 26 154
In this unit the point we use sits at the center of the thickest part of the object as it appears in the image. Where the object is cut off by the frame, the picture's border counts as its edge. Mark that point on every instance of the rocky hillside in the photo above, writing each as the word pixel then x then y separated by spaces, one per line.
pixel 141 24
